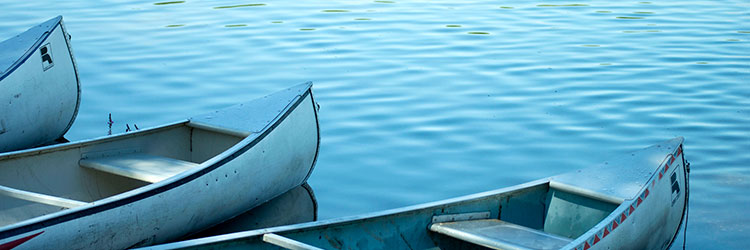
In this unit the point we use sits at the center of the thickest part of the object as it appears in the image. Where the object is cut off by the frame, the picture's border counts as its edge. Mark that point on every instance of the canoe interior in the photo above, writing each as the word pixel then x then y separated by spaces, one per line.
pixel 537 206
pixel 55 171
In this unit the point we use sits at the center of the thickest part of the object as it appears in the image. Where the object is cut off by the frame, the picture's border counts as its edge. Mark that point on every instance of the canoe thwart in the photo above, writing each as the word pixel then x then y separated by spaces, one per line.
pixel 287 243
pixel 499 234
pixel 40 198
pixel 139 166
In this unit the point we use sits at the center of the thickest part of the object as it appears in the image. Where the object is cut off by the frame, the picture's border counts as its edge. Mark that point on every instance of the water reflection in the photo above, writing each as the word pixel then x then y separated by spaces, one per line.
pixel 295 206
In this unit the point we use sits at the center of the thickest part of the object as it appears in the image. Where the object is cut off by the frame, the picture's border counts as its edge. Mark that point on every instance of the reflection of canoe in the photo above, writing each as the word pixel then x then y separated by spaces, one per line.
pixel 295 206
pixel 158 184
pixel 39 88
pixel 633 202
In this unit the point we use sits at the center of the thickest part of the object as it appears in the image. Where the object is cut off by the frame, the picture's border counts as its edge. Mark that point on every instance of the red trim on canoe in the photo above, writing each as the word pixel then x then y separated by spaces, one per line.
pixel 15 243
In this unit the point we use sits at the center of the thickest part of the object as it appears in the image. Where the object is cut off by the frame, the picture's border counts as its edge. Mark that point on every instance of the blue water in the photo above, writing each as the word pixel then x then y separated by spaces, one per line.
pixel 427 100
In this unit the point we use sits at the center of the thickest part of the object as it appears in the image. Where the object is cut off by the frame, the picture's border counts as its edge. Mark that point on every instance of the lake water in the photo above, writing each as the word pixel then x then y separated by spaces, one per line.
pixel 428 100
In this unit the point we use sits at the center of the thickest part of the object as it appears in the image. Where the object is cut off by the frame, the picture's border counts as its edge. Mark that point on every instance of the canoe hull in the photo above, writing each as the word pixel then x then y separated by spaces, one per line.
pixel 257 169
pixel 40 90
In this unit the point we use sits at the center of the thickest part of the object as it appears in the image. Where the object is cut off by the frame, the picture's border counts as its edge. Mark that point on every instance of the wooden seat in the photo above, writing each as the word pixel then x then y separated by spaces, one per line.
pixel 139 166
pixel 499 234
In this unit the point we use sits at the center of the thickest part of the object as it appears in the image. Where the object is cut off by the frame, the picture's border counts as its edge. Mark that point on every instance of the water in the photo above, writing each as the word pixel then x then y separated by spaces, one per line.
pixel 427 100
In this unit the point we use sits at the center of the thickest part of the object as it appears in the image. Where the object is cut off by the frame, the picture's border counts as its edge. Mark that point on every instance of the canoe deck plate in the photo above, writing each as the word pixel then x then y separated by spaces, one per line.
pixel 499 234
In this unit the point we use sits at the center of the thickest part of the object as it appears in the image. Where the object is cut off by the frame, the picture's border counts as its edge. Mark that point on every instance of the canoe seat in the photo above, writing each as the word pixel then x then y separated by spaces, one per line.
pixel 499 234
pixel 139 166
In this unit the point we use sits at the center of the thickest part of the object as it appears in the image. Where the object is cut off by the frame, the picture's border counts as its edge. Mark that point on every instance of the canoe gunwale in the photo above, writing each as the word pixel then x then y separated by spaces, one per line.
pixel 34 47
pixel 30 225
pixel 87 142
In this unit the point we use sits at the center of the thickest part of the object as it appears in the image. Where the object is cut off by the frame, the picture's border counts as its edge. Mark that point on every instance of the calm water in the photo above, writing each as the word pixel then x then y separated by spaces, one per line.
pixel 427 100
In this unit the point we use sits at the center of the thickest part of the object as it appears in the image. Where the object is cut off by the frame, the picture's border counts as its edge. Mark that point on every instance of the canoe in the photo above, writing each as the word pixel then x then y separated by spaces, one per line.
pixel 295 206
pixel 636 201
pixel 39 88
pixel 158 184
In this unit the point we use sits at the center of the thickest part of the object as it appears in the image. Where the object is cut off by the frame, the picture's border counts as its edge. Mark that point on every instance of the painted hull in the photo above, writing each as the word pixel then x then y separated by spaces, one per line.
pixel 579 207
pixel 245 155
pixel 293 207
pixel 40 90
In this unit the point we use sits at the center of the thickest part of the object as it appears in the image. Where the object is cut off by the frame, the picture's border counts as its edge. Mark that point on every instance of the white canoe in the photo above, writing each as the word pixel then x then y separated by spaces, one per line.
pixel 39 88
pixel 158 184
pixel 636 201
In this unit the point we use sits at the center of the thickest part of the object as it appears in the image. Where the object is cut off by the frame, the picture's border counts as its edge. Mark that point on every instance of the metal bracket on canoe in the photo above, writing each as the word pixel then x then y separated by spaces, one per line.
pixel 460 217
pixel 287 243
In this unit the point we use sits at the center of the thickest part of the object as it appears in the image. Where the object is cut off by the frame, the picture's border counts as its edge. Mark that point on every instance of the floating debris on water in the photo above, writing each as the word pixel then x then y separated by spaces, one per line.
pixel 362 19
pixel 478 33
pixel 629 17
pixel 235 25
pixel 171 2
pixel 562 5
pixel 174 25
pixel 277 21
pixel 240 5
pixel 306 29
pixel 453 26
pixel 335 11
pixel 603 11
pixel 506 7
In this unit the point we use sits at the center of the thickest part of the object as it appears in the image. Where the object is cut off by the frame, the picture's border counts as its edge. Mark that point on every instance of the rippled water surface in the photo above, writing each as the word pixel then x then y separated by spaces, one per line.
pixel 427 100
